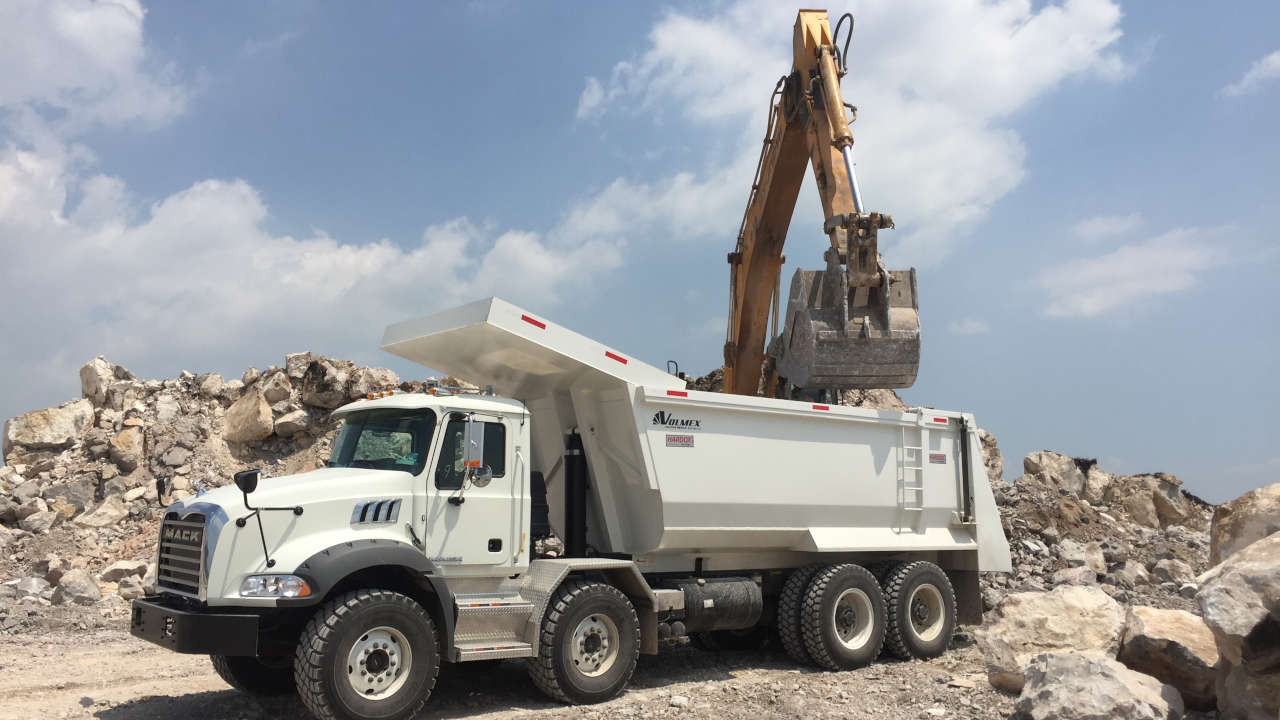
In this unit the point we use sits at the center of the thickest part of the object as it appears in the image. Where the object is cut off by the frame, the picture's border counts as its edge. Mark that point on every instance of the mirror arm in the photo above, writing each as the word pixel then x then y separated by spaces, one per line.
pixel 257 513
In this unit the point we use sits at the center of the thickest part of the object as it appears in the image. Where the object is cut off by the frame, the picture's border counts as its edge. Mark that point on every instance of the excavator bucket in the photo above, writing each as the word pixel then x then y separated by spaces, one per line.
pixel 837 339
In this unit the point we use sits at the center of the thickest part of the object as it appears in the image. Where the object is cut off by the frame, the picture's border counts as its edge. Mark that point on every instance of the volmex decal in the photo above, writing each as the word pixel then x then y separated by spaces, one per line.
pixel 662 418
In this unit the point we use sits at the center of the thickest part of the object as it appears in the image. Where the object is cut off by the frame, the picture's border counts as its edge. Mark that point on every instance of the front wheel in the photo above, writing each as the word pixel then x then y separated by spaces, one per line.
pixel 367 654
pixel 588 645
pixel 255 676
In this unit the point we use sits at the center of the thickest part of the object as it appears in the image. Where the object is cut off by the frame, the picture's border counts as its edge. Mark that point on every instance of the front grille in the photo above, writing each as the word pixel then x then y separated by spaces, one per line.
pixel 181 554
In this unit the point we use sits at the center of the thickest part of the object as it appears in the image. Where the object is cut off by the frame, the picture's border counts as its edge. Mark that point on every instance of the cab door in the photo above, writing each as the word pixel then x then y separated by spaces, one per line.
pixel 468 525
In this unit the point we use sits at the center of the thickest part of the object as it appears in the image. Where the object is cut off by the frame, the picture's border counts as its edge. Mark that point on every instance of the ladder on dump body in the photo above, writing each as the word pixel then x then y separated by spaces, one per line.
pixel 911 477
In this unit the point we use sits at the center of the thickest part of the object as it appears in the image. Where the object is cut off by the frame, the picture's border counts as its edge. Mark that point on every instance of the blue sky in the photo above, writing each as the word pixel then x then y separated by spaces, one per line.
pixel 1088 191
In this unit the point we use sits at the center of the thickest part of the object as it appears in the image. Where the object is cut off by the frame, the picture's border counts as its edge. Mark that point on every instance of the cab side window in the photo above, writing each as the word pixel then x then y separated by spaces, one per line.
pixel 449 469
pixel 495 448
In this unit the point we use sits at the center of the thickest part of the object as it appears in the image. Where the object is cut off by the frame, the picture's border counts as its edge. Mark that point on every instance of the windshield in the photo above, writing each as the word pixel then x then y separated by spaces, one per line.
pixel 384 440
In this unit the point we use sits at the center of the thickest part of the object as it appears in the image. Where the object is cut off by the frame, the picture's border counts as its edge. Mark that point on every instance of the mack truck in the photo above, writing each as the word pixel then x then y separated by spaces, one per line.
pixel 581 509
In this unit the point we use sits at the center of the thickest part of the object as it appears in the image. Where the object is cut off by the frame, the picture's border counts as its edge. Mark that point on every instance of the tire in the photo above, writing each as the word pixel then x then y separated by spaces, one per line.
pixel 571 666
pixel 373 630
pixel 789 606
pixel 254 676
pixel 843 617
pixel 921 610
pixel 752 638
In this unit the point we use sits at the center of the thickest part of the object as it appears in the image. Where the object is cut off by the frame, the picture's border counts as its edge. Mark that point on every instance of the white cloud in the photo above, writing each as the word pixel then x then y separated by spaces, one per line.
pixel 968 326
pixel 83 62
pixel 1161 265
pixel 1104 226
pixel 934 148
pixel 1262 71
pixel 199 276
pixel 269 44
pixel 590 100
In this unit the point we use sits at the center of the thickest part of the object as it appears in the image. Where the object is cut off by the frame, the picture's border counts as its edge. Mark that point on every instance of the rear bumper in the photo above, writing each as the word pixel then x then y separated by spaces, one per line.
pixel 194 631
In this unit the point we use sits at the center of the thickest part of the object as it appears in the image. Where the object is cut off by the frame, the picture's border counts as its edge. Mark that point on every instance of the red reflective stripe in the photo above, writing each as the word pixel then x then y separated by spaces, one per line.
pixel 536 323
pixel 677 393
pixel 940 420
pixel 821 407
pixel 613 356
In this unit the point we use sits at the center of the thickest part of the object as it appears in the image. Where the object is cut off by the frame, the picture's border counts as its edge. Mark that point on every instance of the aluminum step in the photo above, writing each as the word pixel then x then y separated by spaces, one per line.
pixel 467 651
pixel 491 626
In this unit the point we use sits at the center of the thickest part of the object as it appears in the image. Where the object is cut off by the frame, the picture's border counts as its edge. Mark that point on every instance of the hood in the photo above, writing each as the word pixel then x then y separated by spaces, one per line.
pixel 301 489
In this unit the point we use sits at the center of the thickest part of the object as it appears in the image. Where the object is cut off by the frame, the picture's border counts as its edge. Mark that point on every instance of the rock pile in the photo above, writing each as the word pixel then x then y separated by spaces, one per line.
pixel 1140 538
pixel 1129 597
pixel 83 483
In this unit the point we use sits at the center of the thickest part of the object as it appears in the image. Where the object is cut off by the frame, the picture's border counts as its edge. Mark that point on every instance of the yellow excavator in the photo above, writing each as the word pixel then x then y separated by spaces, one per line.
pixel 854 324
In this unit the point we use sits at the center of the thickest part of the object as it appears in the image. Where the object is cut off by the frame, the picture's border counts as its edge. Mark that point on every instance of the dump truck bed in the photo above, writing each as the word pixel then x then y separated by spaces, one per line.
pixel 680 477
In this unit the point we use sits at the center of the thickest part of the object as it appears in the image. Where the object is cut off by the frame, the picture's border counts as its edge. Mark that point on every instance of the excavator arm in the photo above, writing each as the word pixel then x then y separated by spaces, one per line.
pixel 853 324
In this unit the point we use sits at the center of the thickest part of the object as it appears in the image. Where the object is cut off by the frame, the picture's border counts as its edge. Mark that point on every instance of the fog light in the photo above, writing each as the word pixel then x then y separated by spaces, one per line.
pixel 283 586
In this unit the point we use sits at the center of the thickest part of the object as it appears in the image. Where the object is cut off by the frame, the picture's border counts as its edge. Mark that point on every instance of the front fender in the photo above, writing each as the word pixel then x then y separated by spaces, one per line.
pixel 325 569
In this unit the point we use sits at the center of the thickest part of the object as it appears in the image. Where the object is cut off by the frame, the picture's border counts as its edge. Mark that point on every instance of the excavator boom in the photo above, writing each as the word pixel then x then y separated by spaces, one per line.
pixel 854 324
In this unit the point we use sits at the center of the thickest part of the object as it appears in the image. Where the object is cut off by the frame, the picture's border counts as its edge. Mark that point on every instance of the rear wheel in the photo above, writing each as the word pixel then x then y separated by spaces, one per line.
pixel 789 606
pixel 255 676
pixel 367 654
pixel 589 643
pixel 843 617
pixel 921 608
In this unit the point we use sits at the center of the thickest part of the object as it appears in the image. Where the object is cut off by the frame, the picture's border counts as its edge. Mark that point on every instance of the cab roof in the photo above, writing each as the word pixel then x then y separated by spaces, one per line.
pixel 414 401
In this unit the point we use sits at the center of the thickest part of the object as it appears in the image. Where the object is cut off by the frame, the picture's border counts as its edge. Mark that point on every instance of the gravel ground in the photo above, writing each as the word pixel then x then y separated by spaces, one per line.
pixel 110 675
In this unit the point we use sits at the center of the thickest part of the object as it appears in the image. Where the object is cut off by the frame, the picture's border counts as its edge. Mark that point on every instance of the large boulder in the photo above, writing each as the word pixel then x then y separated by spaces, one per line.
pixel 54 428
pixel 295 364
pixel 992 459
pixel 325 383
pixel 277 387
pixel 1240 602
pixel 39 522
pixel 366 380
pixel 211 385
pixel 248 419
pixel 127 448
pixel 1096 483
pixel 1070 686
pixel 111 511
pixel 1068 618
pixel 121 569
pixel 76 586
pixel 1154 500
pixel 1247 519
pixel 1175 647
pixel 292 423
pixel 1172 570
pixel 95 377
pixel 1056 469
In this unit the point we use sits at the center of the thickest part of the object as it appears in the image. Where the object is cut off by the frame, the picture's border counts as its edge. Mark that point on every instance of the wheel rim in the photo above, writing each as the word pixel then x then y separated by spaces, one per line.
pixel 924 607
pixel 595 645
pixel 379 663
pixel 852 618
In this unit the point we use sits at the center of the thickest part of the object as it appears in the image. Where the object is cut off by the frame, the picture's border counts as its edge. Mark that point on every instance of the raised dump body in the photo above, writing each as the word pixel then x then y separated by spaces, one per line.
pixel 680 478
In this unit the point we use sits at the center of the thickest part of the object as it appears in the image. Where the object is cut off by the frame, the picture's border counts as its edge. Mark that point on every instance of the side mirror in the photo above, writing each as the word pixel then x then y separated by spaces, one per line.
pixel 247 480
pixel 473 445
pixel 481 476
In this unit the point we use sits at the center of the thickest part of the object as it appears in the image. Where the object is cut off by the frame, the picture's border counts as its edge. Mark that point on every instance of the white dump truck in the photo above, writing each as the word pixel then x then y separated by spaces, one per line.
pixel 582 508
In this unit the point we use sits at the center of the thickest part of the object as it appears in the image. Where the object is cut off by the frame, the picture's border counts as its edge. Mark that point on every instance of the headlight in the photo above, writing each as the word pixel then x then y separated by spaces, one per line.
pixel 283 586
